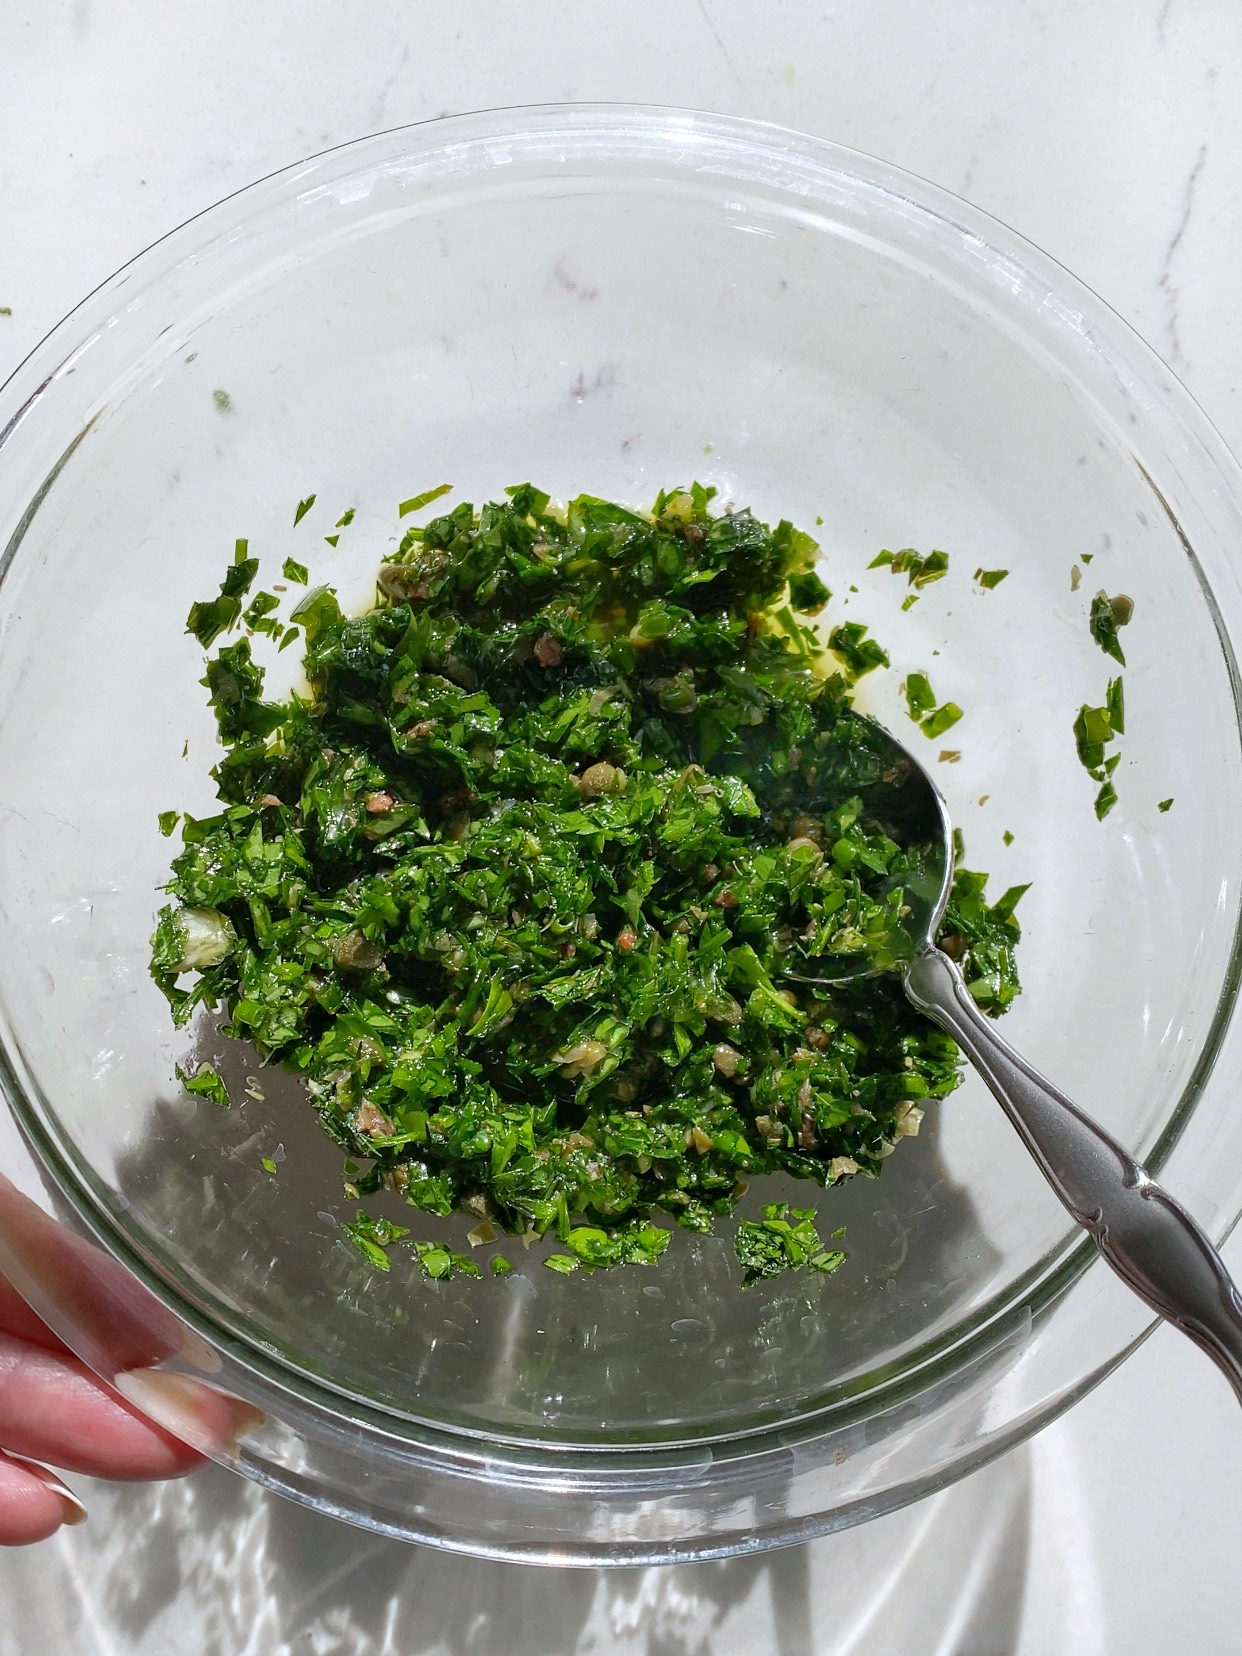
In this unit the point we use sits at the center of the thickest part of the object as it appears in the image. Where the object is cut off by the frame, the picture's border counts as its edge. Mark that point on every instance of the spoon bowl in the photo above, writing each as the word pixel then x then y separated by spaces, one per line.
pixel 1149 1239
pixel 911 810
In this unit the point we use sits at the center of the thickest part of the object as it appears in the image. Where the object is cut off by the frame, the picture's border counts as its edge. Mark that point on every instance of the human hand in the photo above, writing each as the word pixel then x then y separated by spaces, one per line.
pixel 53 1408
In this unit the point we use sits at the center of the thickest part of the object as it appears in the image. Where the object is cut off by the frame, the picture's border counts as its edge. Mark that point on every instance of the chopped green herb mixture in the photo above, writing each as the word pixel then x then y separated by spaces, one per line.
pixel 525 885
pixel 784 1239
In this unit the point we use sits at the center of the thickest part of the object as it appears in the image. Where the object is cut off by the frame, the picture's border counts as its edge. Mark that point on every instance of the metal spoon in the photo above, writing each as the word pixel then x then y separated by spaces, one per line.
pixel 1145 1235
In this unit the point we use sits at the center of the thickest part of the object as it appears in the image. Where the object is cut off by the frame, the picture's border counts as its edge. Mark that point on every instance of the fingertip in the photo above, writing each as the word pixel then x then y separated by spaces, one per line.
pixel 55 1410
pixel 74 1512
pixel 34 1503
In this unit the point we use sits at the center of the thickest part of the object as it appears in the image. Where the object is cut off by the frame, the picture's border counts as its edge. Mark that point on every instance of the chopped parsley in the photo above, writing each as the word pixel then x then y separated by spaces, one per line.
pixel 784 1239
pixel 526 884
pixel 209 619
pixel 1115 701
pixel 373 1237
pixel 920 697
pixel 259 616
pixel 205 1083
pixel 440 1263
pixel 295 572
pixel 859 653
pixel 222 401
pixel 931 719
pixel 944 718
pixel 1105 800
pixel 416 502
pixel 920 571
pixel 303 507
pixel 1094 729
pixel 1165 805
pixel 990 578
pixel 1108 615
pixel 807 593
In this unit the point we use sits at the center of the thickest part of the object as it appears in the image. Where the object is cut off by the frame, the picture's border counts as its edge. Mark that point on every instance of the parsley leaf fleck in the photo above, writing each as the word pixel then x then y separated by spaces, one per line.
pixel 1108 615
pixel 417 501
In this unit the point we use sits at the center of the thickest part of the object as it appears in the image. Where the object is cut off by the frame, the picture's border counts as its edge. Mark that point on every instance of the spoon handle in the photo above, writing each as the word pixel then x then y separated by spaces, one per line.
pixel 1148 1238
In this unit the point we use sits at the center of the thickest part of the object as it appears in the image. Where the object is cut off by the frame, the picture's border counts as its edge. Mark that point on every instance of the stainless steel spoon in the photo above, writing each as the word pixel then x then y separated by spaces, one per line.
pixel 1145 1235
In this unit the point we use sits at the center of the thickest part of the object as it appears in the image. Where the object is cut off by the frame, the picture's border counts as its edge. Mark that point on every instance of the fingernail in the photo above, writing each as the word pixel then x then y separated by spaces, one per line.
pixel 75 1512
pixel 197 1352
pixel 199 1415
pixel 167 1399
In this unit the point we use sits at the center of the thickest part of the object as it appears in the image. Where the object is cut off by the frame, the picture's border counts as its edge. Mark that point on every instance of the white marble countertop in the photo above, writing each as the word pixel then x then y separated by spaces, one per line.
pixel 1109 134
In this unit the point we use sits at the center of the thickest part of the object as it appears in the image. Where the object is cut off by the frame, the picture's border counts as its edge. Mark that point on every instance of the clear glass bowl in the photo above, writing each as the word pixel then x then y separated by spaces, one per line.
pixel 616 299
